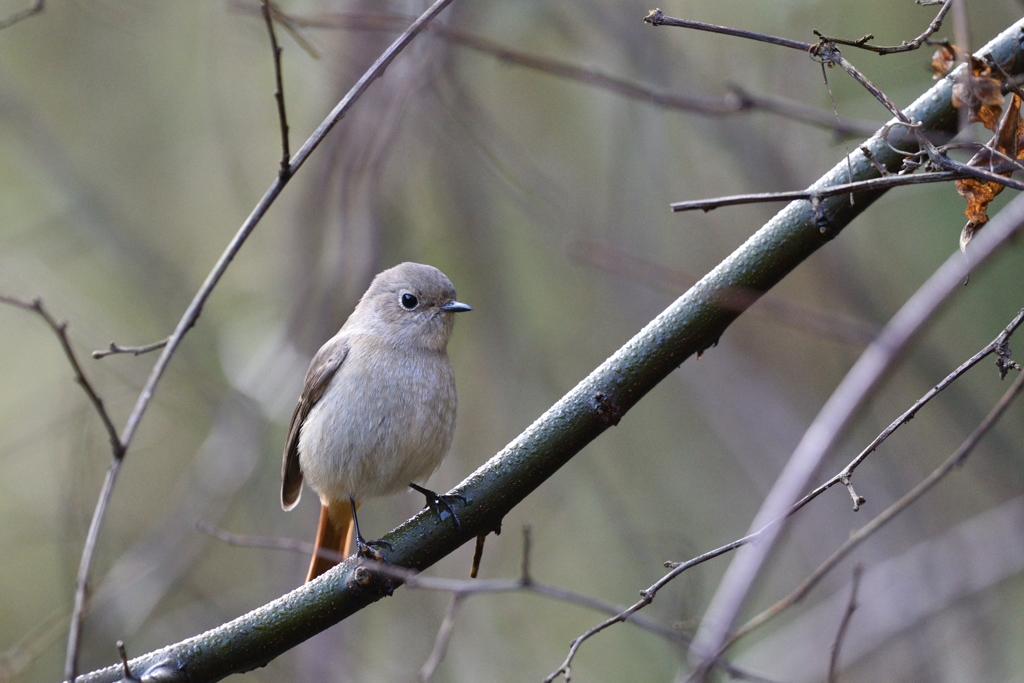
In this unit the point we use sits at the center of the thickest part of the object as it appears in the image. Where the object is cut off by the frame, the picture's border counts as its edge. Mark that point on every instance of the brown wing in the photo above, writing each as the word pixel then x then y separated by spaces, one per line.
pixel 321 370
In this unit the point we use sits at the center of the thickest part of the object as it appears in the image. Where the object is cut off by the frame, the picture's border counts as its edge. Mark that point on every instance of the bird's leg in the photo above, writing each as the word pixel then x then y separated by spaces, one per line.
pixel 436 502
pixel 363 547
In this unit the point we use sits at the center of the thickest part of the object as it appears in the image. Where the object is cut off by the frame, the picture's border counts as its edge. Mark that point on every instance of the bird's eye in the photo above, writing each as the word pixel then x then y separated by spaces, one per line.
pixel 409 301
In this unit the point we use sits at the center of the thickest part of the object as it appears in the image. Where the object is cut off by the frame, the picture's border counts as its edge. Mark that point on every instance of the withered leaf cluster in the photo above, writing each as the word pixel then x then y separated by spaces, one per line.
pixel 982 94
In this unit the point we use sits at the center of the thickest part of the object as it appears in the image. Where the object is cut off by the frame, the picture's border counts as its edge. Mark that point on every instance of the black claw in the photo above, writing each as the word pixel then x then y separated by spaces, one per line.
pixel 436 502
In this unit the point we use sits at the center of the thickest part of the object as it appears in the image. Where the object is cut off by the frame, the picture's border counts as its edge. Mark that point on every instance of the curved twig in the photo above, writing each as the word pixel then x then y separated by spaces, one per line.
pixel 61 330
pixel 114 349
pixel 905 46
pixel 883 183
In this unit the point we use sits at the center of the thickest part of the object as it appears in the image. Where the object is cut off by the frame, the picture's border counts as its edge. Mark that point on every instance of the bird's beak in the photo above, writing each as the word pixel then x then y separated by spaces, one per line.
pixel 456 307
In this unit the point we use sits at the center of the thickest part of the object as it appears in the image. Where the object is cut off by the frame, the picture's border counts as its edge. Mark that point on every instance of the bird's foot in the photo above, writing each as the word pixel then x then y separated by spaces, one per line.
pixel 437 503
pixel 366 550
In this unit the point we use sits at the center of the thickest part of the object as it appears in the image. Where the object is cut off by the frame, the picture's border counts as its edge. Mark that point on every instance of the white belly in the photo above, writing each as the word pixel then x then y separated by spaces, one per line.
pixel 376 430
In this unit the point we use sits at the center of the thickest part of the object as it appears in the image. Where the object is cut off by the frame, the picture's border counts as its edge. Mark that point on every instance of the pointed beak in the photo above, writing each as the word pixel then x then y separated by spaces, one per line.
pixel 456 307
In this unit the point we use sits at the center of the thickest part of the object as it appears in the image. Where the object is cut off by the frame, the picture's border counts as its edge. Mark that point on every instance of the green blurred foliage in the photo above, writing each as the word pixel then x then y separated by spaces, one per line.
pixel 136 137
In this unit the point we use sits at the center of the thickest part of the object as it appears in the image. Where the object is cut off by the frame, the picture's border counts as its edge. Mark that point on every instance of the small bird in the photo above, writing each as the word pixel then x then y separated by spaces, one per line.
pixel 377 409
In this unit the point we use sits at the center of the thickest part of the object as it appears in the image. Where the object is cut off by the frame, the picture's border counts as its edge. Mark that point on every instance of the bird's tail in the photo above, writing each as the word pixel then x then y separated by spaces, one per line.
pixel 335 534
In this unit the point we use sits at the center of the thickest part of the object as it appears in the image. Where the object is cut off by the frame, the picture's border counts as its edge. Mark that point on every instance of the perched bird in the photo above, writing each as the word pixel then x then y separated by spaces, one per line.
pixel 377 409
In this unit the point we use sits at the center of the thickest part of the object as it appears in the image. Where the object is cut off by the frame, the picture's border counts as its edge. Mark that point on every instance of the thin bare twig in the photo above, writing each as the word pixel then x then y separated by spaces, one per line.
pixel 835 415
pixel 84 566
pixel 124 662
pixel 134 350
pixel 191 314
pixel 997 346
pixel 824 50
pixel 478 554
pixel 874 184
pixel 658 18
pixel 646 598
pixel 905 46
pixel 61 330
pixel 1000 342
pixel 282 115
pixel 955 171
pixel 34 8
pixel 851 607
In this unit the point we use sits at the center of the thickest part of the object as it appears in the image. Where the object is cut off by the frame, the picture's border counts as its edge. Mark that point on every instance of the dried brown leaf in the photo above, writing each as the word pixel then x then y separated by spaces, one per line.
pixel 979 193
pixel 982 94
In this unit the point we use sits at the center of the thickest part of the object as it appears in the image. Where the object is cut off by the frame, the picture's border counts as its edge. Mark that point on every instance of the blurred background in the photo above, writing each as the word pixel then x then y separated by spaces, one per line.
pixel 135 137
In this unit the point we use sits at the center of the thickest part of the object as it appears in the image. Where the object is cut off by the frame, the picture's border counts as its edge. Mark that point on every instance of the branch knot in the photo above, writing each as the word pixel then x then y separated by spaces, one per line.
pixel 606 408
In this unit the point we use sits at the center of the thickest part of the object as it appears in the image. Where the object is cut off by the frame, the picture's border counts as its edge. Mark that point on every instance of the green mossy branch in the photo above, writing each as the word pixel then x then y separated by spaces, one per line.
pixel 692 324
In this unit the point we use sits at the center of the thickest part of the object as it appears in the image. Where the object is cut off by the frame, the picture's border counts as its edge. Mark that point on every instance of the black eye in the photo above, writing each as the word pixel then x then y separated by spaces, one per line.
pixel 409 301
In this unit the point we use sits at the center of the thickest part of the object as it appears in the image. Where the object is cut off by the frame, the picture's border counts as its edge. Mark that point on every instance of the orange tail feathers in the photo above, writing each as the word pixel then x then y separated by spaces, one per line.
pixel 334 533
